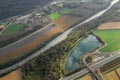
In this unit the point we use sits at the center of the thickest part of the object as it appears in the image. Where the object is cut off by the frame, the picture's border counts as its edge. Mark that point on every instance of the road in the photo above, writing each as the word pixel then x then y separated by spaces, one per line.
pixel 89 68
pixel 93 66
pixel 52 43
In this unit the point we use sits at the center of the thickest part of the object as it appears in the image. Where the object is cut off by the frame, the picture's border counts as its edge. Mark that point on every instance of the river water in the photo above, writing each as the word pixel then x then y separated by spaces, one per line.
pixel 56 40
pixel 85 45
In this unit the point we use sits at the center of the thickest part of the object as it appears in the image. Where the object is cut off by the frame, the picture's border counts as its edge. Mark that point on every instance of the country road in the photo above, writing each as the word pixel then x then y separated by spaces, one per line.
pixel 51 43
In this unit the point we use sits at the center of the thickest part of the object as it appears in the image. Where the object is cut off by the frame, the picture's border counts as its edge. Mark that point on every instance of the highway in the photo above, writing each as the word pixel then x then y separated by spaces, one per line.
pixel 89 68
pixel 93 66
pixel 49 45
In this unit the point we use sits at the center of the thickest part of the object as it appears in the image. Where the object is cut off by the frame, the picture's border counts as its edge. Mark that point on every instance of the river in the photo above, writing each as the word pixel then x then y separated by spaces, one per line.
pixel 56 40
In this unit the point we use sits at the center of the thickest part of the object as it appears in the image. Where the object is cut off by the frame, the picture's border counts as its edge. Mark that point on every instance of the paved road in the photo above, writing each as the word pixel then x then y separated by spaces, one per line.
pixel 27 39
pixel 93 66
pixel 89 68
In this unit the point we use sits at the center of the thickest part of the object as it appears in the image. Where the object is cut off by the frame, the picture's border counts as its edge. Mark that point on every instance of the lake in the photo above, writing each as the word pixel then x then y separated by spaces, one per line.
pixel 87 44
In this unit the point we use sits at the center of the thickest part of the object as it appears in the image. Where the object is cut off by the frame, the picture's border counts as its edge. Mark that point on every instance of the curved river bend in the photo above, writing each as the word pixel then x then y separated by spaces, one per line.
pixel 55 41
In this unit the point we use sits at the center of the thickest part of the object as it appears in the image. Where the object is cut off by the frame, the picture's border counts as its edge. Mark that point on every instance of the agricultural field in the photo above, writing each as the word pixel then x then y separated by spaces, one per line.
pixel 28 47
pixel 111 76
pixel 110 37
pixel 118 71
pixel 109 25
pixel 15 75
pixel 66 21
pixel 56 15
pixel 76 15
pixel 14 28
pixel 86 77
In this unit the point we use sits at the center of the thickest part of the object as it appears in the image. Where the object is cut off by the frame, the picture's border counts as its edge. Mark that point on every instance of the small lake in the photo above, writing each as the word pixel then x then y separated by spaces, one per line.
pixel 85 45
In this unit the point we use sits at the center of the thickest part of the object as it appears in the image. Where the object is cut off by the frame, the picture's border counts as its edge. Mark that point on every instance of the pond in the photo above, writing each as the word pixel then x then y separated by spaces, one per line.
pixel 87 44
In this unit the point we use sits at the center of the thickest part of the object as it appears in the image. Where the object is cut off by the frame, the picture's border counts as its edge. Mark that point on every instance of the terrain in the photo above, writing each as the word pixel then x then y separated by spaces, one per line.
pixel 15 75
pixel 72 39
pixel 111 39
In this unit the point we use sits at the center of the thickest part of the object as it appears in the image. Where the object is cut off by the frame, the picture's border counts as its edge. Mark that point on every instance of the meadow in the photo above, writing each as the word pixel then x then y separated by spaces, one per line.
pixel 111 38
pixel 14 28
pixel 56 15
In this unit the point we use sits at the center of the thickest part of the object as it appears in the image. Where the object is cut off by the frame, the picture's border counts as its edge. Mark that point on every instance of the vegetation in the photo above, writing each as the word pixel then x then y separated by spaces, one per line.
pixel 17 7
pixel 19 36
pixel 111 38
pixel 49 63
pixel 26 54
pixel 56 15
pixel 14 28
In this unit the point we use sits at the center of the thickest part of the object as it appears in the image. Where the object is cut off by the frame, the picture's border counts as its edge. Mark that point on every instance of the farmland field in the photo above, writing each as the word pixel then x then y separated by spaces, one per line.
pixel 28 47
pixel 118 71
pixel 111 38
pixel 14 28
pixel 110 25
pixel 56 15
pixel 112 76
pixel 86 77
pixel 15 75
pixel 77 15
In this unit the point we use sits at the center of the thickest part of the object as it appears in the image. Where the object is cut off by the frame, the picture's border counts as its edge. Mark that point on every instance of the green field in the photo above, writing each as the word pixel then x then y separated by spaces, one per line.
pixel 111 38
pixel 56 15
pixel 14 28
